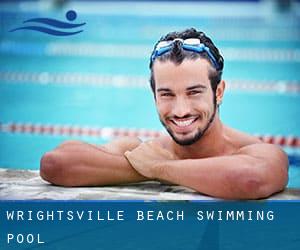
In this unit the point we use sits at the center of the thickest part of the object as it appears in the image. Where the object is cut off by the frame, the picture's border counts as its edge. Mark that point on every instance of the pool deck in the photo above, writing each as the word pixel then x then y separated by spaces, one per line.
pixel 27 185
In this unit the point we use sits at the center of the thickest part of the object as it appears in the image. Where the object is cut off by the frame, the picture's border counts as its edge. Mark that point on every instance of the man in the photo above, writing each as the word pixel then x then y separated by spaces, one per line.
pixel 200 151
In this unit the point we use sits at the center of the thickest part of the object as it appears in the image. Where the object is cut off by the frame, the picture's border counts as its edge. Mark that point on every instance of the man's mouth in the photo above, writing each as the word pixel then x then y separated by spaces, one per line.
pixel 184 123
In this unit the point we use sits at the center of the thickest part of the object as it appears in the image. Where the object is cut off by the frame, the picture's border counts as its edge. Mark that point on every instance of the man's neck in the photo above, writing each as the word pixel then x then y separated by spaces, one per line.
pixel 212 143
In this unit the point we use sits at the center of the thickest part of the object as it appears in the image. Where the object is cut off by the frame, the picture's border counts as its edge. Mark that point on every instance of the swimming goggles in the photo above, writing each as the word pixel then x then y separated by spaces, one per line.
pixel 190 44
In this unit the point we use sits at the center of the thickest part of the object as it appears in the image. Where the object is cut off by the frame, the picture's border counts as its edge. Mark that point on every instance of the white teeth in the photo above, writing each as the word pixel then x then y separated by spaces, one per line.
pixel 184 123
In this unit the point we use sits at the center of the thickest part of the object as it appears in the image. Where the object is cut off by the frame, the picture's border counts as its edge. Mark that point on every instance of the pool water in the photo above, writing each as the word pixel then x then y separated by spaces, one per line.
pixel 100 76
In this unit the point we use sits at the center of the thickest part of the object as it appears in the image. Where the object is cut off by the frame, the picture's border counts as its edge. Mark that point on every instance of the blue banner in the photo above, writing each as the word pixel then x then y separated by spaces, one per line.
pixel 149 225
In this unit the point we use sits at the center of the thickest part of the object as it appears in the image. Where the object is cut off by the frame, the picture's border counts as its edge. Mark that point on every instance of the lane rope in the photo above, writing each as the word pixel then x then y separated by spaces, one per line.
pixel 121 81
pixel 139 51
pixel 109 132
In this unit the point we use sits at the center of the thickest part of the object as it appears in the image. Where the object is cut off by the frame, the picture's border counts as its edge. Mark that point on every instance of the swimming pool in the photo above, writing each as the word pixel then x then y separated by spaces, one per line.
pixel 93 85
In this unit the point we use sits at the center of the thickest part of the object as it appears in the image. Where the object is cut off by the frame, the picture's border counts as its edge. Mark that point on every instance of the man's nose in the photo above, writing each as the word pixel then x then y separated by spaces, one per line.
pixel 181 107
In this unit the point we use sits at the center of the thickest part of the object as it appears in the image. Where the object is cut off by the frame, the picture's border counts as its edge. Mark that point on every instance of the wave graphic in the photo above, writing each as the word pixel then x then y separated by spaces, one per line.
pixel 70 15
pixel 54 22
pixel 47 30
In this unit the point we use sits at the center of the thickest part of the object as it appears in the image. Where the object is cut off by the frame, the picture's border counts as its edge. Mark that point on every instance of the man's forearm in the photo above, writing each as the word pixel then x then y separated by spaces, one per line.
pixel 229 177
pixel 86 165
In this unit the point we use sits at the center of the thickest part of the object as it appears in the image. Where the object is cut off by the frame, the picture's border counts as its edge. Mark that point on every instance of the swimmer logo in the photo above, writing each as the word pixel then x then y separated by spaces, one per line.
pixel 70 15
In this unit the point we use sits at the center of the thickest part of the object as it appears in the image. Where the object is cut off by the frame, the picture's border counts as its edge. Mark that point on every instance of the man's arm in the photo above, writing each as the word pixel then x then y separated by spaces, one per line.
pixel 76 163
pixel 256 171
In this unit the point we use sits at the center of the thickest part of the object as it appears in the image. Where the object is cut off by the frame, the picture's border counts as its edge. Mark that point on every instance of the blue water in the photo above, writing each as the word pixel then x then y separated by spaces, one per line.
pixel 27 101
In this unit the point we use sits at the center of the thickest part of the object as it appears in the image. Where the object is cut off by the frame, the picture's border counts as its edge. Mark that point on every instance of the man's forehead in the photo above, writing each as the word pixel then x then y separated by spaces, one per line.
pixel 187 74
pixel 199 61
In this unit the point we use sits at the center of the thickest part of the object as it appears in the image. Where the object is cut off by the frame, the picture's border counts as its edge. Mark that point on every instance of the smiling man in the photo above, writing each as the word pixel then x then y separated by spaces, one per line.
pixel 200 152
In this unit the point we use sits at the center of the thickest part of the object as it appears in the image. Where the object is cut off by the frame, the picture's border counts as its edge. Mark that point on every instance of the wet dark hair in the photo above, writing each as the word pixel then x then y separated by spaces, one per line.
pixel 177 55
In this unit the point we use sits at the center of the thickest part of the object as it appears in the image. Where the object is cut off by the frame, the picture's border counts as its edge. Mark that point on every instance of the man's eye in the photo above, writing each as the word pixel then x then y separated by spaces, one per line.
pixel 166 94
pixel 194 92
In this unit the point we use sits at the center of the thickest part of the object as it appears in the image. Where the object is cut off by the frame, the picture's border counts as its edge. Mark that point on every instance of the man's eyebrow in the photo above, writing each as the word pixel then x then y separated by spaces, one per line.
pixel 198 86
pixel 164 89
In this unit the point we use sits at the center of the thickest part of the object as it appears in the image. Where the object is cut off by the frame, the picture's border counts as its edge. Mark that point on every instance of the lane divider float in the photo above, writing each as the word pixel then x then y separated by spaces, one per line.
pixel 121 81
pixel 109 132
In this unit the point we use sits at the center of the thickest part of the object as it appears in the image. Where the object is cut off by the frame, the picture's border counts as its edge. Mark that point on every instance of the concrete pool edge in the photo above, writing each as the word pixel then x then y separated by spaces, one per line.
pixel 28 185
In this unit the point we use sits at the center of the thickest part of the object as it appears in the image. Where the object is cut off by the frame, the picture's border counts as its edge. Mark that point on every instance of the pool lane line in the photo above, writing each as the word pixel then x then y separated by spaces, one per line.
pixel 140 51
pixel 123 81
pixel 109 132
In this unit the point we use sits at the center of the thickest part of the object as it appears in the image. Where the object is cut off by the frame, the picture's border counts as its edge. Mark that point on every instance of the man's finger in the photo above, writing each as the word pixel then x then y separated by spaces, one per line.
pixel 127 154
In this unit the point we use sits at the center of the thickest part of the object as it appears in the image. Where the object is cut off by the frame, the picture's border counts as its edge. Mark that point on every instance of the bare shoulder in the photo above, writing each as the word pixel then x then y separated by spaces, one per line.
pixel 239 138
pixel 253 146
pixel 265 151
pixel 121 145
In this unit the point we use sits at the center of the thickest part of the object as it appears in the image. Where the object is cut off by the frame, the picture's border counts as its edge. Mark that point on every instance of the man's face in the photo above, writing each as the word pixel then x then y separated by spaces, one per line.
pixel 184 98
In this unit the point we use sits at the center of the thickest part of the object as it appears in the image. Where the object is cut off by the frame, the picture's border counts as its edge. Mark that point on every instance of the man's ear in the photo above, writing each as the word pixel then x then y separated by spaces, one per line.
pixel 220 92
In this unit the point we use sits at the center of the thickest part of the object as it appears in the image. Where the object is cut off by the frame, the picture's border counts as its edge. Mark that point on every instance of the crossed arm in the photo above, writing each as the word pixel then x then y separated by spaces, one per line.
pixel 76 163
pixel 256 171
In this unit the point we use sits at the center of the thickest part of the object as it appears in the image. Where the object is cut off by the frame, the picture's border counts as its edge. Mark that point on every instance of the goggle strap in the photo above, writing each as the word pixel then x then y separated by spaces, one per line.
pixel 196 48
pixel 200 49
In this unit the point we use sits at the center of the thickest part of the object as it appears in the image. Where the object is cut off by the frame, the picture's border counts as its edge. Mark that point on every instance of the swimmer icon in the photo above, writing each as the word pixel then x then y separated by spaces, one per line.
pixel 71 15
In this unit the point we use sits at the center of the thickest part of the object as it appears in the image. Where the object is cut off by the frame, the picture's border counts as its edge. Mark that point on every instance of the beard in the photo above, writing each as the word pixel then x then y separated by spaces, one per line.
pixel 197 136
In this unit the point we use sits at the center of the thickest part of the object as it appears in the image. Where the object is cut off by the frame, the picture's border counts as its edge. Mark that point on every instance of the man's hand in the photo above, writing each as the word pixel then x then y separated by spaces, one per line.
pixel 145 158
